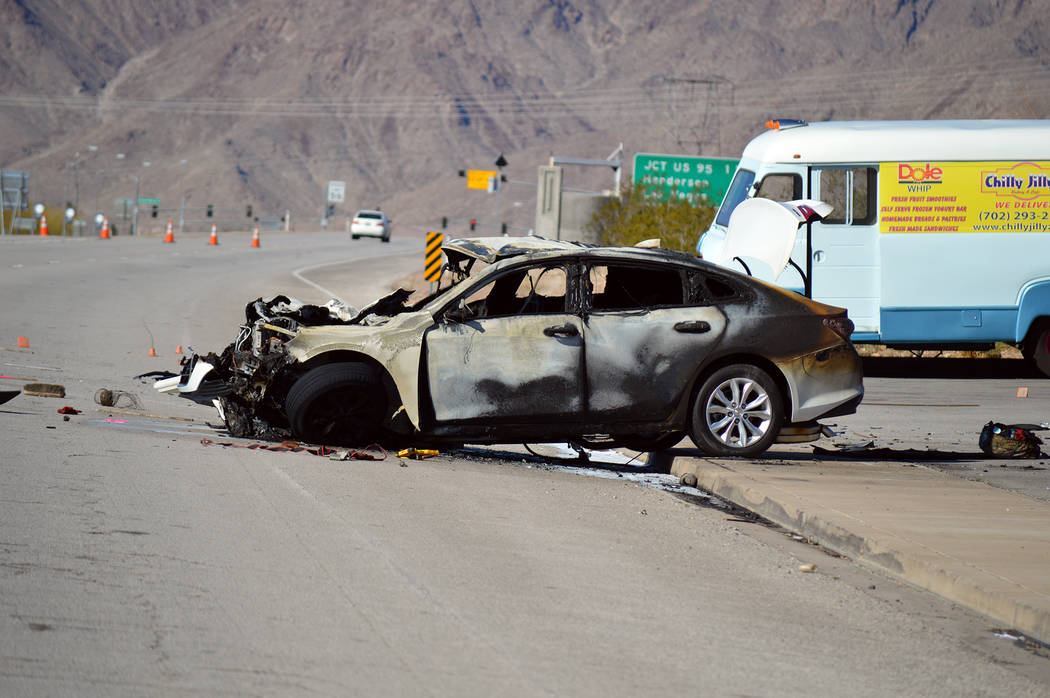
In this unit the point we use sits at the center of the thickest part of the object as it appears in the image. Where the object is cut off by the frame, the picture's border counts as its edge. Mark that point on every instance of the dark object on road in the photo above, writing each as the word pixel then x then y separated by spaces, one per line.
pixel 1009 441
pixel 116 398
pixel 540 340
pixel 7 395
pixel 68 410
pixel 44 389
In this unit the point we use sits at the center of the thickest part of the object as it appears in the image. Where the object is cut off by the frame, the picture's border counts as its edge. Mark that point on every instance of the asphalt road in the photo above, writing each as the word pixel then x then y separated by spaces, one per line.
pixel 135 560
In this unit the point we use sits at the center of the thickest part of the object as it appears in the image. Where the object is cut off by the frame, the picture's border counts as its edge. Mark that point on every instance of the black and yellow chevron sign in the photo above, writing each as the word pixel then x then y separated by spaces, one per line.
pixel 432 263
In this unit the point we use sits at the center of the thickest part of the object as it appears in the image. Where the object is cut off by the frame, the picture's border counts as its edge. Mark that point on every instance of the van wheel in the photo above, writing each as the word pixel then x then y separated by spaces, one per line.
pixel 738 411
pixel 1037 348
pixel 339 404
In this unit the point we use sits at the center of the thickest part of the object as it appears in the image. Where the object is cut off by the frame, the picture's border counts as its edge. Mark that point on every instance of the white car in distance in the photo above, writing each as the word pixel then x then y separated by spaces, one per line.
pixel 368 223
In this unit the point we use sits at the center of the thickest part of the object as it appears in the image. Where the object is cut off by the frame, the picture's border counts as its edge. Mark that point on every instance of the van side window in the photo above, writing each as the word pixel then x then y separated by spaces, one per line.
pixel 852 192
pixel 780 187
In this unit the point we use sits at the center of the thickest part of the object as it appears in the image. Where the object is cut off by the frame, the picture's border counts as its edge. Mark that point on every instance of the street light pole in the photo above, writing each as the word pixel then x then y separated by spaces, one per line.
pixel 135 211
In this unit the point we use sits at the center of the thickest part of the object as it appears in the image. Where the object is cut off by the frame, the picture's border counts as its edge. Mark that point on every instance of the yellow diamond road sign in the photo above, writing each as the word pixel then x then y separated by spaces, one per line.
pixel 432 260
pixel 479 179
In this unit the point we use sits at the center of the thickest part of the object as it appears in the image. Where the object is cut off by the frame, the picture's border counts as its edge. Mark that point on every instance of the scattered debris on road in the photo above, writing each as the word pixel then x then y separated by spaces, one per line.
pixel 44 389
pixel 296 447
pixel 68 410
pixel 1009 441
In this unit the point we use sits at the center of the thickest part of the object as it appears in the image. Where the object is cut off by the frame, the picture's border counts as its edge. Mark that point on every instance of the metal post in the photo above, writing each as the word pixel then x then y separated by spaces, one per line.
pixel 135 211
pixel 182 212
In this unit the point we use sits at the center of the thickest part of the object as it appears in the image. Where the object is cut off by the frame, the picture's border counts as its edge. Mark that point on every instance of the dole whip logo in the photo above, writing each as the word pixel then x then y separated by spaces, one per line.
pixel 1025 181
pixel 919 177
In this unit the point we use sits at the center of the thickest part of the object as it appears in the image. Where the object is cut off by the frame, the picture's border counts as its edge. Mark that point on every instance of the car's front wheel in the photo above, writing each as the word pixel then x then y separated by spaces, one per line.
pixel 738 411
pixel 340 403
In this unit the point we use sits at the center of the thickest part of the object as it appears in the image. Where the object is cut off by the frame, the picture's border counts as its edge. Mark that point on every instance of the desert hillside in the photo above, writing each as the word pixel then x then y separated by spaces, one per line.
pixel 235 103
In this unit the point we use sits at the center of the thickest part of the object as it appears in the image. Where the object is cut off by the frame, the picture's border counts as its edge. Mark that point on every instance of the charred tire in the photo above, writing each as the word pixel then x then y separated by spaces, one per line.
pixel 738 411
pixel 1037 348
pixel 339 404
pixel 660 442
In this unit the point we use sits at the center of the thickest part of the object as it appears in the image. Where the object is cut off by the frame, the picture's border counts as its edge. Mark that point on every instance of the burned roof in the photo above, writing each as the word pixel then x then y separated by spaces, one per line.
pixel 493 249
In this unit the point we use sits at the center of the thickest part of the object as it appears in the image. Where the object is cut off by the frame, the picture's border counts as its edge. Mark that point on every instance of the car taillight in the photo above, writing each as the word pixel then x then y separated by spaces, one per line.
pixel 842 326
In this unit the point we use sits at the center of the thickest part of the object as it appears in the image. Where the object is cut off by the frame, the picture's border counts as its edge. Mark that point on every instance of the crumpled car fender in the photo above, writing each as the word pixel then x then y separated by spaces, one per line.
pixel 398 348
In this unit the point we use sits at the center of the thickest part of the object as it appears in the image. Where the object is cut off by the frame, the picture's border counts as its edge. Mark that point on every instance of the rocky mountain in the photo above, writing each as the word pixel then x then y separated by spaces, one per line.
pixel 235 103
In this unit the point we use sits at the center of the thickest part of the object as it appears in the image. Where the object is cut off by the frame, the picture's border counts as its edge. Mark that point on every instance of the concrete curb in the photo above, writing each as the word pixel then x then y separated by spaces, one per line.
pixel 922 563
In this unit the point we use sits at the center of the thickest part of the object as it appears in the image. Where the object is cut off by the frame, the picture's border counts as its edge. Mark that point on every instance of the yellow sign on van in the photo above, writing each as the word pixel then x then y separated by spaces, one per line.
pixel 964 197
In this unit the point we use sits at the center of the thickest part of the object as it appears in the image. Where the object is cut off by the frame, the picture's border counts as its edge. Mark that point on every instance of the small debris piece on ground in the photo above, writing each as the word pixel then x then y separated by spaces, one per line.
pixel 689 480
pixel 68 410
pixel 807 568
pixel 116 398
pixel 44 389
pixel 418 453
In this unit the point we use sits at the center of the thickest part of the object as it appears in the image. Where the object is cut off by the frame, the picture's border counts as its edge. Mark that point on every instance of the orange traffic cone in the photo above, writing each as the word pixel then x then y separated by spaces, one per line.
pixel 152 351
pixel 43 225
pixel 23 342
pixel 178 349
pixel 255 237
pixel 104 233
pixel 214 239
pixel 169 237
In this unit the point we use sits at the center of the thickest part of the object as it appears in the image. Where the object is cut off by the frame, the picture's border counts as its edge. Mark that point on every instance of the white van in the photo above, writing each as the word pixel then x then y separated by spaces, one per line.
pixel 940 233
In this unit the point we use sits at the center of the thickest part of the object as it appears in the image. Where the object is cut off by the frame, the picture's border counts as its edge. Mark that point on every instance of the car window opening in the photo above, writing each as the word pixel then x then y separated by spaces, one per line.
pixel 634 288
pixel 532 291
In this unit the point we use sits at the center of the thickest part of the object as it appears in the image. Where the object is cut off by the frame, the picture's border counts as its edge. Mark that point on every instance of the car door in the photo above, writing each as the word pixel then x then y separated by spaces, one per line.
pixel 646 329
pixel 508 351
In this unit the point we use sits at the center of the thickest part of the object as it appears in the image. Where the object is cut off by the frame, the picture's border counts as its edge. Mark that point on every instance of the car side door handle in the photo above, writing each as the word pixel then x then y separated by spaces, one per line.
pixel 566 330
pixel 693 327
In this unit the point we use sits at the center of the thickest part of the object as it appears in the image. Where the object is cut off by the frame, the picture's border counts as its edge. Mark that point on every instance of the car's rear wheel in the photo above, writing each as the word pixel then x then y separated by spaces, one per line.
pixel 339 403
pixel 738 411
pixel 1037 348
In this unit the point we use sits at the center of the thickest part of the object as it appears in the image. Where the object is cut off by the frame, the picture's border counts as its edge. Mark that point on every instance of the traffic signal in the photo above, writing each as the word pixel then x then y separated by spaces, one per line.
pixel 473 223
pixel 211 211
pixel 153 213
pixel 248 211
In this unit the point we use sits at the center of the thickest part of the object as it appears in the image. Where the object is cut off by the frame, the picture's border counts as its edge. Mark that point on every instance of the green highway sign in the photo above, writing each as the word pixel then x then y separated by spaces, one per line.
pixel 149 202
pixel 699 179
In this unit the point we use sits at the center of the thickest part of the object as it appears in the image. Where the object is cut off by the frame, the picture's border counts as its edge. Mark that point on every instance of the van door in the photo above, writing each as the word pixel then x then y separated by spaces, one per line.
pixel 844 261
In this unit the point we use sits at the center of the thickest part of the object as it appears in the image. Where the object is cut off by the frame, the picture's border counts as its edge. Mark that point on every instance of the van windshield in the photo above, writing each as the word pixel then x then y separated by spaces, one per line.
pixel 738 190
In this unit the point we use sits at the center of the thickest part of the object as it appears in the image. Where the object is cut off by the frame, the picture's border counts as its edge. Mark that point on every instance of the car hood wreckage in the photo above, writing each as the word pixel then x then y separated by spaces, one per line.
pixel 551 340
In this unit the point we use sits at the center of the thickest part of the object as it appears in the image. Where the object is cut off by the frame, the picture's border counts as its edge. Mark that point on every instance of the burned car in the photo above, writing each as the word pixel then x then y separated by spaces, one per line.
pixel 540 340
